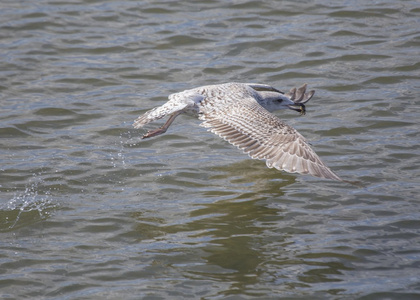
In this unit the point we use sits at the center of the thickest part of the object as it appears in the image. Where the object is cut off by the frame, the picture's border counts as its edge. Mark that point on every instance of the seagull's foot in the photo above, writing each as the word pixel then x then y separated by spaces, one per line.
pixel 152 133
pixel 164 127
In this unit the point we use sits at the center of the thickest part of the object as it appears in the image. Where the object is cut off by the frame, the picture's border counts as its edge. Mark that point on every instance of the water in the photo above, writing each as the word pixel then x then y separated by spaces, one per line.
pixel 90 211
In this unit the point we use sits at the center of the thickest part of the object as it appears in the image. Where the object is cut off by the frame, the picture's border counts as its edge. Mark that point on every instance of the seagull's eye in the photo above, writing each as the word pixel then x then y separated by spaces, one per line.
pixel 280 100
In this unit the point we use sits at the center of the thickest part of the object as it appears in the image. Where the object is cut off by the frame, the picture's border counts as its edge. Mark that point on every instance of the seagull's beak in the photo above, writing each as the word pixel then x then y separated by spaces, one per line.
pixel 299 107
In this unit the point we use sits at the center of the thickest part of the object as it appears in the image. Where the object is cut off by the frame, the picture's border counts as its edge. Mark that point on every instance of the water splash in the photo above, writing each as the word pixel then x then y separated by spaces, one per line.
pixel 27 206
pixel 123 137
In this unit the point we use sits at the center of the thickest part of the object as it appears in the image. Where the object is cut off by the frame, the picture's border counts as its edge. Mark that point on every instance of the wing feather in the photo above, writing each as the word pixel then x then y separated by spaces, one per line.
pixel 248 126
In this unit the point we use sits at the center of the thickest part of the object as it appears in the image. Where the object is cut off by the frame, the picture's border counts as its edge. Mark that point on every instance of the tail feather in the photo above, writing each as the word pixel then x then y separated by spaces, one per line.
pixel 177 102
pixel 149 116
pixel 159 112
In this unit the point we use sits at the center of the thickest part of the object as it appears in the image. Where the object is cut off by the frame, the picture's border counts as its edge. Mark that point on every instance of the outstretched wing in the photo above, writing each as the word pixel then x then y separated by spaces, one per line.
pixel 250 127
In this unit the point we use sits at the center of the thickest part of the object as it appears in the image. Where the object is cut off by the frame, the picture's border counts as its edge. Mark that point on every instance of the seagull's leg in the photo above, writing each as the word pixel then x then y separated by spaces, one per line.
pixel 165 126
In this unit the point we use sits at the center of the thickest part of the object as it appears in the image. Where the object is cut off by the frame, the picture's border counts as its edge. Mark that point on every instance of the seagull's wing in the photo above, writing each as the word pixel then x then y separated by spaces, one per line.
pixel 250 127
pixel 263 87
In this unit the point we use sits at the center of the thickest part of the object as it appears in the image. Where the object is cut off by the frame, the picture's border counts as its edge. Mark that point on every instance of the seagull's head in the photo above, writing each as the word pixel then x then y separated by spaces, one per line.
pixel 294 100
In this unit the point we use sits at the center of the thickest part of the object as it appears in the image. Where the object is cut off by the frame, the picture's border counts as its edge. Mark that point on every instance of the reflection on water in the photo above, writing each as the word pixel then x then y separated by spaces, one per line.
pixel 89 210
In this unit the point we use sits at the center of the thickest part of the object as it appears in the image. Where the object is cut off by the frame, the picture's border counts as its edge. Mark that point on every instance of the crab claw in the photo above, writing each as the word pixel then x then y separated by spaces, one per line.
pixel 299 95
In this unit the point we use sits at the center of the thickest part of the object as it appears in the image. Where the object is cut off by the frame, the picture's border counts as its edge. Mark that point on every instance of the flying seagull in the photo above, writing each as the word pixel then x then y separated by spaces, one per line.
pixel 241 114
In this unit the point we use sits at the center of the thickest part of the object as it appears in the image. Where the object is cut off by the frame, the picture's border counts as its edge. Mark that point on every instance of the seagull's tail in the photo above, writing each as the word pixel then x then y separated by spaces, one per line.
pixel 150 116
pixel 160 112
pixel 177 103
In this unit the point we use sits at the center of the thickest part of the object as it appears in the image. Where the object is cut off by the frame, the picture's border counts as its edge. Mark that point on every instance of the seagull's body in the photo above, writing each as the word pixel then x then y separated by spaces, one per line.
pixel 241 114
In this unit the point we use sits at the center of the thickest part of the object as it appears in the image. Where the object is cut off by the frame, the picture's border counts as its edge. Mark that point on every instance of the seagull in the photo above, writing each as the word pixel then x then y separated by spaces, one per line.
pixel 240 113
